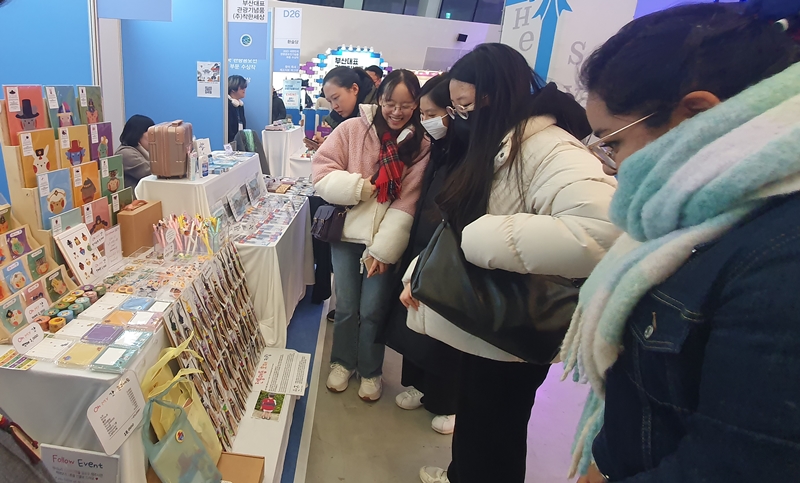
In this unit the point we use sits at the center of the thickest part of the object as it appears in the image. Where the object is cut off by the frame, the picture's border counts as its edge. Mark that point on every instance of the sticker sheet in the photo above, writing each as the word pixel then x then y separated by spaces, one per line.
pixel 17 242
pixel 82 257
pixel 55 194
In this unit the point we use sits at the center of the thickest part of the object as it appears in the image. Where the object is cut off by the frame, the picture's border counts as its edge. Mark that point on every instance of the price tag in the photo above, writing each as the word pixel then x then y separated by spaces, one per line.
pixel 115 202
pixel 82 92
pixel 57 226
pixel 98 238
pixel 77 177
pixel 52 99
pixel 170 235
pixel 12 96
pixel 117 412
pixel 26 338
pixel 64 139
pixel 35 309
pixel 27 145
pixel 103 166
pixel 100 267
pixel 93 129
pixel 44 185
pixel 88 216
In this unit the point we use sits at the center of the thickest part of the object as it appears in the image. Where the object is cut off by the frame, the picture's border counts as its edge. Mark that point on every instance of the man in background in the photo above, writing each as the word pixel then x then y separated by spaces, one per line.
pixel 376 74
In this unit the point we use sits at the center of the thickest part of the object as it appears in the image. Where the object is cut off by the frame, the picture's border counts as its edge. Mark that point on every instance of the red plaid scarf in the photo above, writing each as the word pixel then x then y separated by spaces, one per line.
pixel 389 179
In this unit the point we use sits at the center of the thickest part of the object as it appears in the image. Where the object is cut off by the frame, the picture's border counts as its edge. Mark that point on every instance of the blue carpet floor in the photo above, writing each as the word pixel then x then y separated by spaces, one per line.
pixel 302 337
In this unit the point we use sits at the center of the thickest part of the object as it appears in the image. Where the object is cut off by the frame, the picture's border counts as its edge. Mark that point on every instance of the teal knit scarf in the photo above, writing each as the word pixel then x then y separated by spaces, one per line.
pixel 688 187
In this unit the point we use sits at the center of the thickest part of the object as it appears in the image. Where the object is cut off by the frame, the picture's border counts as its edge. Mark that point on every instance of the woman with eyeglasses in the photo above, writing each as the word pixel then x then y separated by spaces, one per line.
pixel 527 197
pixel 430 367
pixel 689 329
pixel 373 164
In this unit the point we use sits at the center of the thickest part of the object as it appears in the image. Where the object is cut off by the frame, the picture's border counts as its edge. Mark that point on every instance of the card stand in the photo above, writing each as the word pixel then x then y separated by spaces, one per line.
pixel 49 349
pixel 114 360
pixel 80 355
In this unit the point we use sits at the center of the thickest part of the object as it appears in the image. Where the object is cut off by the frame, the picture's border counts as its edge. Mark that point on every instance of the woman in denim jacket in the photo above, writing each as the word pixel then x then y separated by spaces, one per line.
pixel 689 329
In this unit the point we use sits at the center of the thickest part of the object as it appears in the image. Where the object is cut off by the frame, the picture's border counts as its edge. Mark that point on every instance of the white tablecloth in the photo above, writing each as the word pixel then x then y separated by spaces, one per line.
pixel 277 276
pixel 279 146
pixel 181 195
pixel 50 403
pixel 299 167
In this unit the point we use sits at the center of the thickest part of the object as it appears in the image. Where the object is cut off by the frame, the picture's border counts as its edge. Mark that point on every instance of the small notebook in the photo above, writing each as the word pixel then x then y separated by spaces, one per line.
pixel 49 349
pixel 114 360
pixel 102 334
pixel 77 328
pixel 120 318
pixel 135 339
pixel 80 355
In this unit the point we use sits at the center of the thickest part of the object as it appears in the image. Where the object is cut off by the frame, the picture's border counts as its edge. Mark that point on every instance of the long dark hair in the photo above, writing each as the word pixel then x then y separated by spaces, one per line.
pixel 438 88
pixel 504 85
pixel 656 60
pixel 134 129
pixel 410 148
pixel 347 77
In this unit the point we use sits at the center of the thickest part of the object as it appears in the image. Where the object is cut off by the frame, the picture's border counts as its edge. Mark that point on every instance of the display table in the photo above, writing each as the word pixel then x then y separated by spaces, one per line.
pixel 279 146
pixel 278 275
pixel 299 167
pixel 183 196
pixel 50 403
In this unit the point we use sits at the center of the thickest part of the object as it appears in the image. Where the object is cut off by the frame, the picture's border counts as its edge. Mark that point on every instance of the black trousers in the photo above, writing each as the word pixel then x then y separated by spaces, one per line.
pixel 441 393
pixel 494 405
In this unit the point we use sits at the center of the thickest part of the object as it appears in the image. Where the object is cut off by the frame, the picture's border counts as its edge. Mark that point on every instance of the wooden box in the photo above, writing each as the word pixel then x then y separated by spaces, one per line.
pixel 137 226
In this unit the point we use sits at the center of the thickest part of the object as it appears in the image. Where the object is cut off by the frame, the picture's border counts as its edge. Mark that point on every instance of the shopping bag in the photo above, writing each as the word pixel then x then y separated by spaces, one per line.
pixel 179 456
pixel 159 382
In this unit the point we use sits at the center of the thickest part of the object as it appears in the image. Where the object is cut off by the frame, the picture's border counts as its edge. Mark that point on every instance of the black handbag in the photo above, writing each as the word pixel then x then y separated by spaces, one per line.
pixel 526 315
pixel 329 223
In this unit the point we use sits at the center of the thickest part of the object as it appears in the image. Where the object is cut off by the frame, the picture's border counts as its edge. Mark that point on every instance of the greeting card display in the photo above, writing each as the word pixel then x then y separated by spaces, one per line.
pixel 85 183
pixel 118 201
pixel 101 144
pixel 66 220
pixel 24 106
pixel 82 257
pixel 16 276
pixel 111 175
pixel 38 266
pixel 63 106
pixel 97 215
pixel 12 314
pixel 73 145
pixel 55 194
pixel 90 104
pixel 55 285
pixel 39 154
pixel 17 242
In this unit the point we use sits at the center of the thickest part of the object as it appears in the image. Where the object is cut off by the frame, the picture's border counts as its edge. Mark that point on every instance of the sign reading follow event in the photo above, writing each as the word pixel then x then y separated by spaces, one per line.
pixel 288 25
pixel 70 465
pixel 248 56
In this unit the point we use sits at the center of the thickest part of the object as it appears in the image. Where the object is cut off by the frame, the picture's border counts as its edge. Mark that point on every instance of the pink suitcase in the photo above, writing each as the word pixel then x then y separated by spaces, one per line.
pixel 170 144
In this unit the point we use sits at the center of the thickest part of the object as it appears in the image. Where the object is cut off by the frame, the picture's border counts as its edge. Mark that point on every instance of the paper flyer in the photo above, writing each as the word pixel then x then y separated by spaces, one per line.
pixel 208 79
pixel 282 371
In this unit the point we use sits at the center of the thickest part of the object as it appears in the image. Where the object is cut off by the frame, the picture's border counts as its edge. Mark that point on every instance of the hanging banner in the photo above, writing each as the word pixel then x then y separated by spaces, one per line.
pixel 286 53
pixel 248 56
pixel 555 36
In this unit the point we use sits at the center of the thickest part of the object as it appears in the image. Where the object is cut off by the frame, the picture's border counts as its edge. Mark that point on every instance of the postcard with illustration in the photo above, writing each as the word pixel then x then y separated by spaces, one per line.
pixel 38 266
pixel 63 106
pixel 112 179
pixel 16 276
pixel 39 154
pixel 73 145
pixel 25 110
pixel 55 194
pixel 90 104
pixel 17 242
pixel 85 183
pixel 101 143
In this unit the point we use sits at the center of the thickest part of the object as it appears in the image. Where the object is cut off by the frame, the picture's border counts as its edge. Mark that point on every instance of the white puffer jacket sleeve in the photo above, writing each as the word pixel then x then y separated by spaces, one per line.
pixel 564 228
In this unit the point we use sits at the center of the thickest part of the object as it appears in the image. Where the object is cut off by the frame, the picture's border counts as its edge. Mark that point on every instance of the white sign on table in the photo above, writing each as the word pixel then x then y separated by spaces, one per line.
pixel 26 338
pixel 117 412
pixel 283 371
pixel 71 465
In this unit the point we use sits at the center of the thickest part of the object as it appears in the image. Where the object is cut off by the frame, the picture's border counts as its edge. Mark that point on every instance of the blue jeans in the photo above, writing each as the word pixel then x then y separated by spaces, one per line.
pixel 362 306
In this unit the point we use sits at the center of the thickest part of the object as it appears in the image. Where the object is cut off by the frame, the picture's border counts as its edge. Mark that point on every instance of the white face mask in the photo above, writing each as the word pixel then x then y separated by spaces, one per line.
pixel 435 127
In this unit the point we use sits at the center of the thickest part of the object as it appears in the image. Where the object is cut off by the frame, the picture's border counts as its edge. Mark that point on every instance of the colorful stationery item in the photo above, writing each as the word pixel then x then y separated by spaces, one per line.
pixel 38 266
pixel 49 349
pixel 73 146
pixel 114 360
pixel 16 276
pixel 77 328
pixel 101 143
pixel 102 334
pixel 63 106
pixel 135 304
pixel 17 242
pixel 67 315
pixel 39 154
pixel 80 355
pixel 85 183
pixel 55 195
pixel 57 324
pixel 133 339
pixel 25 111
pixel 90 104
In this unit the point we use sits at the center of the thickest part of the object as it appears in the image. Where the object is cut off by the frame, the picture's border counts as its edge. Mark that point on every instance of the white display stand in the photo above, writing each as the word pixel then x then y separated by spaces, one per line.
pixel 299 167
pixel 192 197
pixel 277 276
pixel 50 403
pixel 279 146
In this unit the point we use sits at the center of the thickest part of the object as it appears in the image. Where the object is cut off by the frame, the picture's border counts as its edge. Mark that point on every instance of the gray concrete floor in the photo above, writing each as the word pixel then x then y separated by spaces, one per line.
pixel 357 442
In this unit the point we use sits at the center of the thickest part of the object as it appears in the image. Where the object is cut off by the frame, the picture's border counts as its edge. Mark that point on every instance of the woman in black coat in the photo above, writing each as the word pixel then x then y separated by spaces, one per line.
pixel 237 86
pixel 429 366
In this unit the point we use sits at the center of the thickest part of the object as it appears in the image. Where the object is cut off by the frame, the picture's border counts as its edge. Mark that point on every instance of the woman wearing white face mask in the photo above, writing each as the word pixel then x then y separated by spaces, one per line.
pixel 429 366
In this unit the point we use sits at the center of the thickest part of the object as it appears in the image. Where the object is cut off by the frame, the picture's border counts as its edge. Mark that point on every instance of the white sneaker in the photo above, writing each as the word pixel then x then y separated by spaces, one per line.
pixel 371 388
pixel 339 378
pixel 432 474
pixel 411 399
pixel 444 424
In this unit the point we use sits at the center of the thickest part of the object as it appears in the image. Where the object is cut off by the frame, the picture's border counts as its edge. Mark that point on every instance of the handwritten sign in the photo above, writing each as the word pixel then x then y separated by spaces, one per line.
pixel 71 465
pixel 116 413
pixel 26 338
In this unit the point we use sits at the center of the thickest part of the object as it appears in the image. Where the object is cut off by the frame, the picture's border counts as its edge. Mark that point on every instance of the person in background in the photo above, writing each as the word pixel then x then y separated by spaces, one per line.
pixel 376 74
pixel 237 87
pixel 430 367
pixel 689 330
pixel 134 149
pixel 346 89
pixel 278 107
pixel 527 197
pixel 373 163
